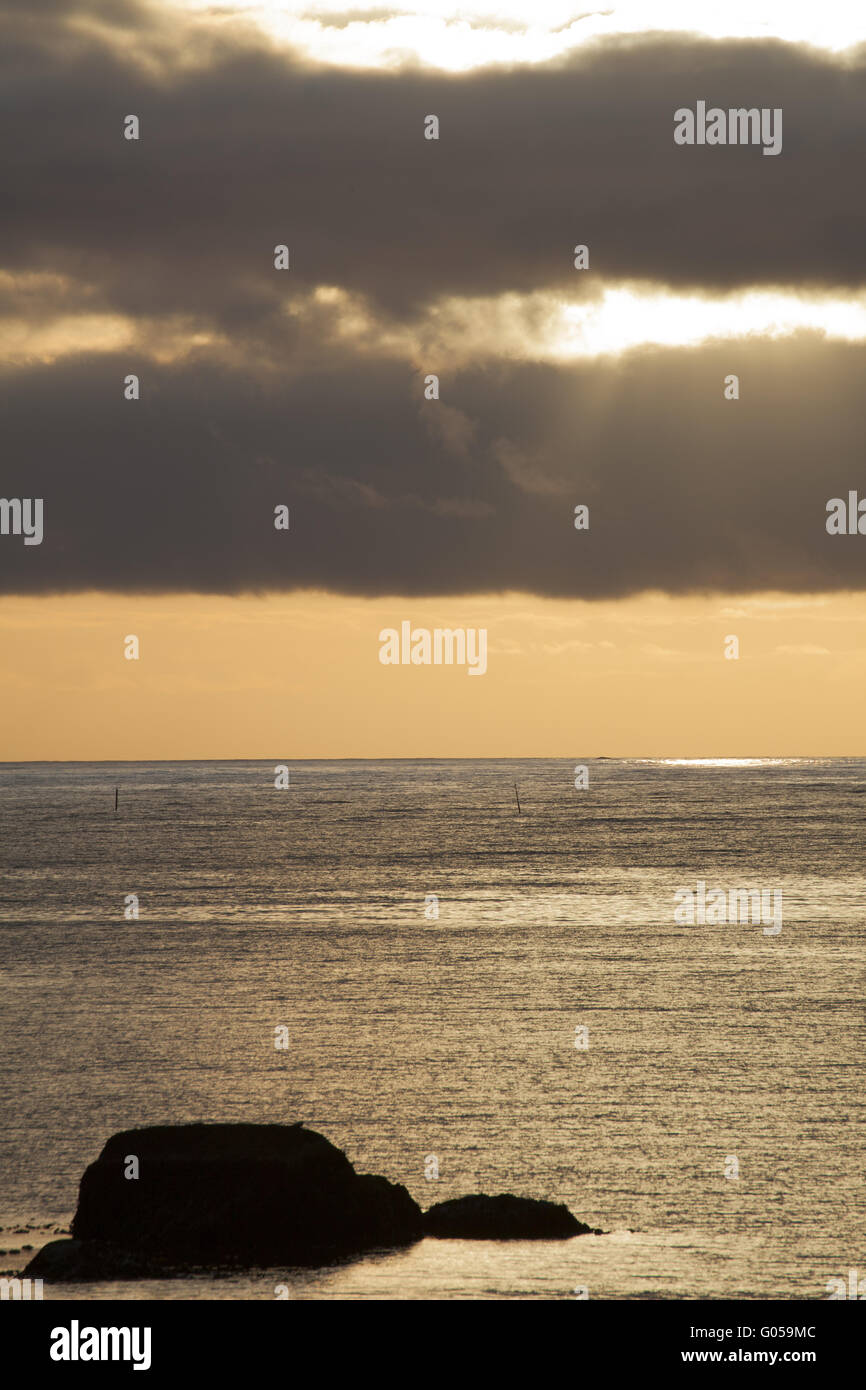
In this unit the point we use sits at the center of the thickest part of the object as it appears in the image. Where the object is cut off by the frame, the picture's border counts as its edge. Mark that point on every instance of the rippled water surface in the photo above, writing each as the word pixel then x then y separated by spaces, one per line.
pixel 455 1037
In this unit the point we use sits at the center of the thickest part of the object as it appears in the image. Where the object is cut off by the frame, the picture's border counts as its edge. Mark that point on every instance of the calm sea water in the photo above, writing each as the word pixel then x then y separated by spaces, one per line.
pixel 454 1037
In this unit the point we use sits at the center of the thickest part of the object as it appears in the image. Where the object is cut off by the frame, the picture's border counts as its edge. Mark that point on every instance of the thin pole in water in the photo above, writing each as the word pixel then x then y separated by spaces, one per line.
pixel 115 800
pixel 517 794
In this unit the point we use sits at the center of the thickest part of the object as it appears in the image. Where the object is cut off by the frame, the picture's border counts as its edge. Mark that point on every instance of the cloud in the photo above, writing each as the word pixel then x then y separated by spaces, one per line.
pixel 305 388
pixel 801 649
pixel 339 19
pixel 244 145
pixel 686 491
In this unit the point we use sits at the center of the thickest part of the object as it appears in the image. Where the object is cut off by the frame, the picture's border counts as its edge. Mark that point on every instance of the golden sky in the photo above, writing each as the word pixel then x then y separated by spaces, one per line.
pixel 298 676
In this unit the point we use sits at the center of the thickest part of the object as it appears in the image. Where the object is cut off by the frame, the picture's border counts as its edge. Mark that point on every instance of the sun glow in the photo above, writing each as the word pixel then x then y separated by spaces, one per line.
pixel 538 327
pixel 541 327
pixel 512 31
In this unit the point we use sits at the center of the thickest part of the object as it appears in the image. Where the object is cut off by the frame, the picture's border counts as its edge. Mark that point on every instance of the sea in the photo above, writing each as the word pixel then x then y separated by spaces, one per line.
pixel 469 999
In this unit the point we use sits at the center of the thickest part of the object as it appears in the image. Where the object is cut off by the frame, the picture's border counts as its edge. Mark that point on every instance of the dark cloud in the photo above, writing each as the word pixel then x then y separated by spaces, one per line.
pixel 244 146
pixel 393 494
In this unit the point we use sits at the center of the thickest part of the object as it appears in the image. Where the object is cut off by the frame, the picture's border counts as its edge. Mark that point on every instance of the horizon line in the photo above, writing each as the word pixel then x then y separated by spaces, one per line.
pixel 456 758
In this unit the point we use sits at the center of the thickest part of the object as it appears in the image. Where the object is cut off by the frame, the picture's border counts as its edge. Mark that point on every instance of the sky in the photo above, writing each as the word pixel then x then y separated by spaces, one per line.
pixel 605 387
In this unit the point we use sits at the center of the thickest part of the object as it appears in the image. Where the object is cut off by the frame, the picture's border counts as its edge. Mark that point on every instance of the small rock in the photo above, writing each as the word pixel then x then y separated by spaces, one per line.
pixel 502 1218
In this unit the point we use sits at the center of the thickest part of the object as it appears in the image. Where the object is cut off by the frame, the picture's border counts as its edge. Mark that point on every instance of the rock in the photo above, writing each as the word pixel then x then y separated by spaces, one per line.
pixel 225 1196
pixel 502 1218
pixel 211 1197
pixel 81 1261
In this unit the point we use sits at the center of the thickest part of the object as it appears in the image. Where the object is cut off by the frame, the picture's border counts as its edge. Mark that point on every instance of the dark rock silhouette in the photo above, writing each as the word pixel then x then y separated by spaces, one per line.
pixel 502 1218
pixel 230 1196
pixel 226 1195
pixel 82 1261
